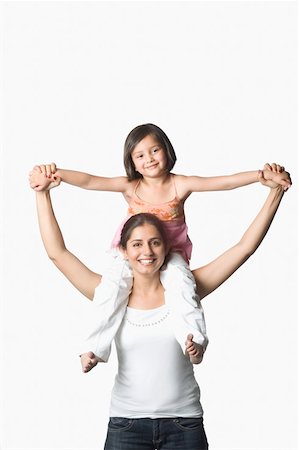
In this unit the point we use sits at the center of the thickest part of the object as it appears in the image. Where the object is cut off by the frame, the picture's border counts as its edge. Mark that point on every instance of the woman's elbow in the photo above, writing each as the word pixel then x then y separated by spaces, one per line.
pixel 55 256
pixel 247 250
pixel 55 260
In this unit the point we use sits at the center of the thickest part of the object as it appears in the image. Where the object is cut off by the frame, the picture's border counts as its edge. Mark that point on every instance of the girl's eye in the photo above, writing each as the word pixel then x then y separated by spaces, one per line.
pixel 139 156
pixel 155 150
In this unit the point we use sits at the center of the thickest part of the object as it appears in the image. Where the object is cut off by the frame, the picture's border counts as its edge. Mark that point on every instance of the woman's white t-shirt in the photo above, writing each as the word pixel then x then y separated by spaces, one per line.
pixel 155 379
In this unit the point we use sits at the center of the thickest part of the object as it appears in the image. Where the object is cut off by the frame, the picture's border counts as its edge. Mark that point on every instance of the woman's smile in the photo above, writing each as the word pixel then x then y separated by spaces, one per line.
pixel 146 262
pixel 145 249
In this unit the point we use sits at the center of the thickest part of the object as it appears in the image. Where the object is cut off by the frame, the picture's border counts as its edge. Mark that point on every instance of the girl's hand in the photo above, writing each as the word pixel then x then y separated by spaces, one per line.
pixel 276 174
pixel 39 181
pixel 277 168
pixel 194 350
pixel 47 169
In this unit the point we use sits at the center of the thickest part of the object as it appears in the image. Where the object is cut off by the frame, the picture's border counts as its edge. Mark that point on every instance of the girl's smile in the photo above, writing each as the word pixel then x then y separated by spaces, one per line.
pixel 149 157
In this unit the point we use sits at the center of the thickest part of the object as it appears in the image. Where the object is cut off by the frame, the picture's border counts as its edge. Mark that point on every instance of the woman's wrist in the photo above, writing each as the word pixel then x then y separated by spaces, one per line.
pixel 279 189
pixel 278 192
pixel 43 193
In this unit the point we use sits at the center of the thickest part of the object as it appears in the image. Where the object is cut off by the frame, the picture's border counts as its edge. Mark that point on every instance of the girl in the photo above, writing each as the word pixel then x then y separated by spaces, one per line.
pixel 150 187
pixel 146 347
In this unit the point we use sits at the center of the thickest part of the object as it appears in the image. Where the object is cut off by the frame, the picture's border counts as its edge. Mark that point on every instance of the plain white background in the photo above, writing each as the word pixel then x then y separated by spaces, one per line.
pixel 220 79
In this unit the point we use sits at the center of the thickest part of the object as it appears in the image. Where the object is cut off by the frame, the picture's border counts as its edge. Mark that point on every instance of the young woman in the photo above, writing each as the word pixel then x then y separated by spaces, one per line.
pixel 155 400
pixel 150 186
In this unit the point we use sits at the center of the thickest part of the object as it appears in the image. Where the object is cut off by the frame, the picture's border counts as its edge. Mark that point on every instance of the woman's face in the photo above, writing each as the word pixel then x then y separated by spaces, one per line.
pixel 145 250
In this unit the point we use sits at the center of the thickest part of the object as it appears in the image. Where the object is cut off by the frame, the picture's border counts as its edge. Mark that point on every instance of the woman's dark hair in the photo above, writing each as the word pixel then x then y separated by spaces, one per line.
pixel 138 220
pixel 135 136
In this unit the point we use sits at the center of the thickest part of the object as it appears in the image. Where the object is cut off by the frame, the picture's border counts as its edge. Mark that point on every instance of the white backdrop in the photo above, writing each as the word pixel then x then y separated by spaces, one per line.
pixel 220 79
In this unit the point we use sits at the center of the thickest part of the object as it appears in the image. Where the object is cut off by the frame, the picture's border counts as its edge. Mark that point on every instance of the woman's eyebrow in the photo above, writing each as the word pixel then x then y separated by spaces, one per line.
pixel 140 240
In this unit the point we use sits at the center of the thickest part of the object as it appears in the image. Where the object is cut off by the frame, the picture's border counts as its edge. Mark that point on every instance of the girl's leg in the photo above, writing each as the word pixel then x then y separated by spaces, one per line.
pixel 108 307
pixel 180 294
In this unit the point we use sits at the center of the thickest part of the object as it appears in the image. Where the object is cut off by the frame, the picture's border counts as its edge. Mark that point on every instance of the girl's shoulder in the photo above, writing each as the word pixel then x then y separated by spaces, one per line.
pixel 130 187
pixel 181 185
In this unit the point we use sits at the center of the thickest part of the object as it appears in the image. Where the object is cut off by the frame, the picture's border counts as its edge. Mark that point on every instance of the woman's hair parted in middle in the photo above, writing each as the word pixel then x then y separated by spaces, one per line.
pixel 139 220
pixel 135 136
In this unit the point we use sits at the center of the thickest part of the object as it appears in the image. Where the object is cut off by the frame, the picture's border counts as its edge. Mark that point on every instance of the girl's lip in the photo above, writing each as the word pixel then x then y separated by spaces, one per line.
pixel 152 166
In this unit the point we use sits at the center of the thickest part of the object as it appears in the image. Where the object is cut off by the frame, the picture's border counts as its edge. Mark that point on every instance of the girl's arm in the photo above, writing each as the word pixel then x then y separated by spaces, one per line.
pixel 93 182
pixel 209 277
pixel 75 271
pixel 42 175
pixel 189 184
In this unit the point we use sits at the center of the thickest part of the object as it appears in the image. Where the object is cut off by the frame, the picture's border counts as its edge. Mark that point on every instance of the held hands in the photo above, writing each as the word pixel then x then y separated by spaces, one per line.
pixel 42 178
pixel 194 350
pixel 275 175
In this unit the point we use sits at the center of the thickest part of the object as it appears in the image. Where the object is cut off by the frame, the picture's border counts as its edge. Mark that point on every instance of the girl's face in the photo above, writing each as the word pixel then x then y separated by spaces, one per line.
pixel 145 250
pixel 149 157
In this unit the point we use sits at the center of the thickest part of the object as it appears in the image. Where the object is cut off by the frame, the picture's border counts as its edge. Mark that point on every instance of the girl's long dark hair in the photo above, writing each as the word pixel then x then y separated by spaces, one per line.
pixel 135 136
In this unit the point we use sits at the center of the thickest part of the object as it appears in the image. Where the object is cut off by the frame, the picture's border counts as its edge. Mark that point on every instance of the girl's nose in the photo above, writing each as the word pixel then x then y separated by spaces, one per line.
pixel 150 158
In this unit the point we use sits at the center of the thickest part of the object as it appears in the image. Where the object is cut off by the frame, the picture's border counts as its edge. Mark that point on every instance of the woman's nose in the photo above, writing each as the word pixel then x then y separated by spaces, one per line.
pixel 148 249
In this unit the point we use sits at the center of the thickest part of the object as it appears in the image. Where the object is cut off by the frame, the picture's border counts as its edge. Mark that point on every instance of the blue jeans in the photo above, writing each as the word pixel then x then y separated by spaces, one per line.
pixel 156 434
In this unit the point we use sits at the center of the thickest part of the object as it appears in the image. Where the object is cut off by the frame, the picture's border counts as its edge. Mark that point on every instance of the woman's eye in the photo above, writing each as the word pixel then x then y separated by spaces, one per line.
pixel 137 244
pixel 156 243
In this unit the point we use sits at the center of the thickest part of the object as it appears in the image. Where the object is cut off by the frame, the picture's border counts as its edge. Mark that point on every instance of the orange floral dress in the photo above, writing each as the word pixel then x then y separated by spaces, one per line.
pixel 173 217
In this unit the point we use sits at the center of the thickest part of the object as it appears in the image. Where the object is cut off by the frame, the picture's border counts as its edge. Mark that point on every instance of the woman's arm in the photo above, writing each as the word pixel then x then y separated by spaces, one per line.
pixel 75 271
pixel 211 276
pixel 42 175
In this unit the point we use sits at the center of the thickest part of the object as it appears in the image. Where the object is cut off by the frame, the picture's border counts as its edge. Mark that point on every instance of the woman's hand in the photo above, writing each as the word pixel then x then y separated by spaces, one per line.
pixel 274 175
pixel 41 178
pixel 194 350
pixel 212 275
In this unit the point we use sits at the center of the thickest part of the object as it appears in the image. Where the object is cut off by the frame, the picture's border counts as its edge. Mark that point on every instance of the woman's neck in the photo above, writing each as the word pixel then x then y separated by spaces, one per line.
pixel 147 293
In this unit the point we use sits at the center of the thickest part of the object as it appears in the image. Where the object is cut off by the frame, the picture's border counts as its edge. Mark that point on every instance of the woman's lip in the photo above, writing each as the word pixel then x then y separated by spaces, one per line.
pixel 147 261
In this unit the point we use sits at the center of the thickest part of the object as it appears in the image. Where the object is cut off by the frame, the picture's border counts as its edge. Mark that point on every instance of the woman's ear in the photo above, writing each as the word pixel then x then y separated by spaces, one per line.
pixel 124 253
pixel 167 251
pixel 167 256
